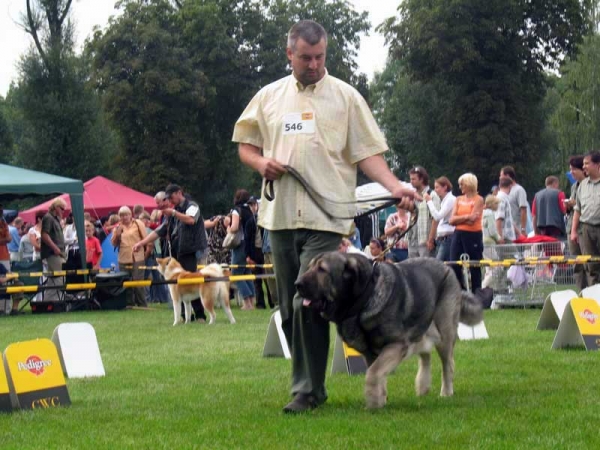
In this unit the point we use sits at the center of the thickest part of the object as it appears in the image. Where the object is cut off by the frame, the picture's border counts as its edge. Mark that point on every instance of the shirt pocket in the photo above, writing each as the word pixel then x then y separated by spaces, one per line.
pixel 333 132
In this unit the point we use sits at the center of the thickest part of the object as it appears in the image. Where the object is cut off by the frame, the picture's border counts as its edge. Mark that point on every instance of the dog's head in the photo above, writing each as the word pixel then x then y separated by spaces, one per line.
pixel 168 266
pixel 334 283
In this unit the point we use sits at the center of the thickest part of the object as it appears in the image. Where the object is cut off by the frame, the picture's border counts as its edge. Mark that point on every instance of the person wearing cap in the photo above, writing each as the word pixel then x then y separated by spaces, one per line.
pixel 185 234
pixel 323 128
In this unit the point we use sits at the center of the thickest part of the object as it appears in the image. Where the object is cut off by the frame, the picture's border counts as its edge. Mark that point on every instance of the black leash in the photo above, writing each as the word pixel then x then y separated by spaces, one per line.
pixel 269 193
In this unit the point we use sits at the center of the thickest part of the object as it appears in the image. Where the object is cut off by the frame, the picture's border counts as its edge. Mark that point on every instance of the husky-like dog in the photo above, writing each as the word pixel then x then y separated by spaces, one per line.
pixel 391 311
pixel 209 292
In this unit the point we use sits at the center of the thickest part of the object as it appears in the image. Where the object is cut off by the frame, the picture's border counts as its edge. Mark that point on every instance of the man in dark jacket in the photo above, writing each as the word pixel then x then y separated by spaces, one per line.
pixel 184 229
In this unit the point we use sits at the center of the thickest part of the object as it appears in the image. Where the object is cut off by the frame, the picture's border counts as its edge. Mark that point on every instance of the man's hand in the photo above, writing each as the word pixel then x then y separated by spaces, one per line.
pixel 57 251
pixel 136 246
pixel 407 197
pixel 271 169
pixel 574 236
pixel 168 212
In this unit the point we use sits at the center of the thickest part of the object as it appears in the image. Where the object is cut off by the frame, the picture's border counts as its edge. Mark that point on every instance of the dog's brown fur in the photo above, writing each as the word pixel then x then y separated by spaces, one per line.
pixel 183 292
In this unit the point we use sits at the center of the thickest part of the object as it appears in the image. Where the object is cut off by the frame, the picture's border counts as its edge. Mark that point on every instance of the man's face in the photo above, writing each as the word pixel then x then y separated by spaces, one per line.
pixel 176 197
pixel 415 180
pixel 308 61
pixel 591 168
pixel 60 210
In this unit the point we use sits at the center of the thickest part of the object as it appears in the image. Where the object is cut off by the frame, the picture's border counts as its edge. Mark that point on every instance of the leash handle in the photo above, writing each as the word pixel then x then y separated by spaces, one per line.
pixel 269 194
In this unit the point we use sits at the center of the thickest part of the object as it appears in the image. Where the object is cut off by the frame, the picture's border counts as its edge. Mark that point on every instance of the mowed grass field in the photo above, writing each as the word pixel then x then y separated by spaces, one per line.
pixel 200 386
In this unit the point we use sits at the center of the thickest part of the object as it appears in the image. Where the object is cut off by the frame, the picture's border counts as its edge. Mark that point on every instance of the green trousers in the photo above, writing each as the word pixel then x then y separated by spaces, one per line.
pixel 306 331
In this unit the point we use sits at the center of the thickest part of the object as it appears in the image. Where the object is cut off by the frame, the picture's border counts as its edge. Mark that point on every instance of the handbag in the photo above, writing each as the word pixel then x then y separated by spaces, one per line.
pixel 233 240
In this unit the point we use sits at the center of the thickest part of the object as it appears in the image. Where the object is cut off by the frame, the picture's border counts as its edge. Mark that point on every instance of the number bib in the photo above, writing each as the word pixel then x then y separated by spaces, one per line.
pixel 299 123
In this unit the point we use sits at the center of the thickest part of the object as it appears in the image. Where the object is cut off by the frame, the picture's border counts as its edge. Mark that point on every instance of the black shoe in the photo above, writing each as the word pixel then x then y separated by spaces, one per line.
pixel 301 403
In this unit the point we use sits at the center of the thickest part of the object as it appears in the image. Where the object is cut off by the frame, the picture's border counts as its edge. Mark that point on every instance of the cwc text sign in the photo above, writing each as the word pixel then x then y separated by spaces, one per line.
pixel 35 375
pixel 580 325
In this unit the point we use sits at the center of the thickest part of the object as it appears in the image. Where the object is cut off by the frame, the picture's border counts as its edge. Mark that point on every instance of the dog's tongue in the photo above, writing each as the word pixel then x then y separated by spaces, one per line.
pixel 306 302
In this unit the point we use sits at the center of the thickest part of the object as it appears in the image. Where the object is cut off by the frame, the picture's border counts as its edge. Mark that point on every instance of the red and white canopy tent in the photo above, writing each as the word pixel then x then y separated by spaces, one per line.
pixel 100 197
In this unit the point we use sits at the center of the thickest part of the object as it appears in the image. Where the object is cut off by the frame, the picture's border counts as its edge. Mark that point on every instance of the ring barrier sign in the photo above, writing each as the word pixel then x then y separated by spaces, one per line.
pixel 579 326
pixel 78 350
pixel 276 344
pixel 554 308
pixel 346 359
pixel 35 375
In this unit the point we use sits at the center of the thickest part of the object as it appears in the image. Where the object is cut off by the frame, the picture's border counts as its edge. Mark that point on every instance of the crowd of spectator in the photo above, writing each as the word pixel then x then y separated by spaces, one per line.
pixel 449 226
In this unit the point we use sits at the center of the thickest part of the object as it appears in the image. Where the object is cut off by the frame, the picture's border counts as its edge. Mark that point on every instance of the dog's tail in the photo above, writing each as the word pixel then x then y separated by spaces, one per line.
pixel 471 309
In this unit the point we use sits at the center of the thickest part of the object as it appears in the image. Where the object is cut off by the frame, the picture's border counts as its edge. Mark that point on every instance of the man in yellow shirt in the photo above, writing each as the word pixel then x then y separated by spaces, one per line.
pixel 324 129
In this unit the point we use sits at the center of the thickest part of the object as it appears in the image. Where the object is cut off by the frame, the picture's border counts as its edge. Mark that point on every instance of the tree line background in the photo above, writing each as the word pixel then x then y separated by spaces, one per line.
pixel 469 85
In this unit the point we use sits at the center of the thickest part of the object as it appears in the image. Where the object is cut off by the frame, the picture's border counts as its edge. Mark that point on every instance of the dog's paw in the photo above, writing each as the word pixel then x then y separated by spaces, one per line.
pixel 375 395
pixel 376 402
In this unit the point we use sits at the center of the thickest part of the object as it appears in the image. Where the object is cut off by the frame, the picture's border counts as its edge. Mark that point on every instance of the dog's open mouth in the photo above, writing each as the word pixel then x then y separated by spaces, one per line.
pixel 306 302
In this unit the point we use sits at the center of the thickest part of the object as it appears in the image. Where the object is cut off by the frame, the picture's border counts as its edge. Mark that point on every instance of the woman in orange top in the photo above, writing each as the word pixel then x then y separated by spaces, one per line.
pixel 468 236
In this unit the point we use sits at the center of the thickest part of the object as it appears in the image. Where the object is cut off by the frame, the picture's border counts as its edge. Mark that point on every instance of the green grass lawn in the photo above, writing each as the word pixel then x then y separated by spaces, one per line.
pixel 197 386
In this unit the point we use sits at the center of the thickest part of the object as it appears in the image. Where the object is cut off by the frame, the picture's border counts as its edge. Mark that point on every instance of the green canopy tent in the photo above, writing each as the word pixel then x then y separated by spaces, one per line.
pixel 18 182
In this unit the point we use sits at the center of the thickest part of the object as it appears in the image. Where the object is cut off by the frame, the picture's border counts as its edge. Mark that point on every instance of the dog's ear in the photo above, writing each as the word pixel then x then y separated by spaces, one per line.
pixel 351 267
pixel 313 262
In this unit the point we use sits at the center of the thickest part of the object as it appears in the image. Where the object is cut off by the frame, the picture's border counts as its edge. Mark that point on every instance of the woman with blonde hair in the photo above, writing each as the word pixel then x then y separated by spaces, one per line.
pixel 129 232
pixel 468 236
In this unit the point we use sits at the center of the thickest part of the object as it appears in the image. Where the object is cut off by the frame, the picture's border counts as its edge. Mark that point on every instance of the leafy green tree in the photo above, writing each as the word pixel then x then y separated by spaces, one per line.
pixel 176 75
pixel 6 138
pixel 60 128
pixel 577 117
pixel 491 56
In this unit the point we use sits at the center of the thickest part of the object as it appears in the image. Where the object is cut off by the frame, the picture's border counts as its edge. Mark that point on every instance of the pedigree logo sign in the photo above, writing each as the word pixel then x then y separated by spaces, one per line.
pixel 587 317
pixel 35 375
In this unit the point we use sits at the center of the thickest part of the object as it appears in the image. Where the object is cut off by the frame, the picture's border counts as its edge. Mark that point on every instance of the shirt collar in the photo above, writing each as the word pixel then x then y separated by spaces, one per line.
pixel 316 87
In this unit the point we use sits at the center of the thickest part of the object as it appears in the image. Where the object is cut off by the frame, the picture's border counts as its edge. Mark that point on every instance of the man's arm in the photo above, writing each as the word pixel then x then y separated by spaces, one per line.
pixel 523 210
pixel 268 168
pixel 182 217
pixel 50 243
pixel 575 226
pixel 149 238
pixel 377 169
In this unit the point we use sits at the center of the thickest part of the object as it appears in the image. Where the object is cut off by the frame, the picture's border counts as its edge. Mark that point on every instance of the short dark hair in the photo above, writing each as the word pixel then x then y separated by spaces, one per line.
pixel 594 156
pixel 172 188
pixel 421 173
pixel 39 215
pixel 307 30
pixel 509 171
pixel 576 161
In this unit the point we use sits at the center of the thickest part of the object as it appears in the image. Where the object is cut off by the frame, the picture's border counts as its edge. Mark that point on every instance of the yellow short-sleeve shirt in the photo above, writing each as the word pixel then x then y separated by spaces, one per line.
pixel 323 131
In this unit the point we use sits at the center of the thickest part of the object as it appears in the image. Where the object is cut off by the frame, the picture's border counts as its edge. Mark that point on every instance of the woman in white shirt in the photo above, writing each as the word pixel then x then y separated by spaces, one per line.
pixel 443 238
